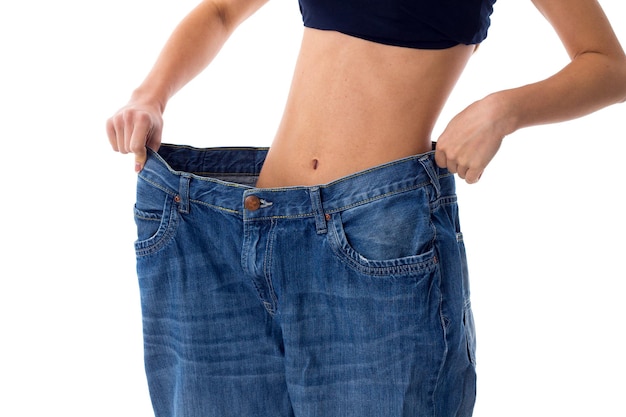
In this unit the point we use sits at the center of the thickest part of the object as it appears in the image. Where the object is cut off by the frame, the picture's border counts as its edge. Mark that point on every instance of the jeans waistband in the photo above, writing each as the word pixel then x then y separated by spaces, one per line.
pixel 224 177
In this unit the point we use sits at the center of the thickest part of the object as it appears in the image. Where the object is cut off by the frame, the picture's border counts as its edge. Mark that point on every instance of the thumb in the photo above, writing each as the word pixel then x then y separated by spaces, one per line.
pixel 440 158
pixel 153 143
pixel 140 159
pixel 138 145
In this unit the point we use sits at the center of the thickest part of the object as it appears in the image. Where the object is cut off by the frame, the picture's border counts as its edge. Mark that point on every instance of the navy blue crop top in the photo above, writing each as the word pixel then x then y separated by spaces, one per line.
pixel 424 24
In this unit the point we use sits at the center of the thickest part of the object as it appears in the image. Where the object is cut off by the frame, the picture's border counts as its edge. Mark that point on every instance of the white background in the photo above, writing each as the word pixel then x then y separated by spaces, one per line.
pixel 544 227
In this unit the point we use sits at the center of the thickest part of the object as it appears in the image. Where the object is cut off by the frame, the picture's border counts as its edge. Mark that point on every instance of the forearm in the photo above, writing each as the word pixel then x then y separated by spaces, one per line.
pixel 191 47
pixel 590 82
pixel 595 78
pixel 472 138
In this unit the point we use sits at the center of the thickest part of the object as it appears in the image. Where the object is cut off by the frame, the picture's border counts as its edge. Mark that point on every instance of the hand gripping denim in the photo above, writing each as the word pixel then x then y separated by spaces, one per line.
pixel 339 300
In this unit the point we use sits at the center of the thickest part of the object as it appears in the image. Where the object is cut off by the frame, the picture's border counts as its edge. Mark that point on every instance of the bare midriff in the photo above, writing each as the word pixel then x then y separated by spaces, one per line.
pixel 355 104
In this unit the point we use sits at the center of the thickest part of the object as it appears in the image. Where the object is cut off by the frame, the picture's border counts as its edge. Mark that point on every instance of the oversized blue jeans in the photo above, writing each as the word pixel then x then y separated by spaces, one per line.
pixel 339 300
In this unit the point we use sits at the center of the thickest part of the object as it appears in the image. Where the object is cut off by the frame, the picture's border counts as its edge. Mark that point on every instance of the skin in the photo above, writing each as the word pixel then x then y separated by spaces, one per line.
pixel 354 104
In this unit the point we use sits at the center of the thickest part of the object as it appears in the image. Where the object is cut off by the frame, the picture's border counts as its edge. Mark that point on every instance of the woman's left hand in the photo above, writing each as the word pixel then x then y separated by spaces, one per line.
pixel 471 139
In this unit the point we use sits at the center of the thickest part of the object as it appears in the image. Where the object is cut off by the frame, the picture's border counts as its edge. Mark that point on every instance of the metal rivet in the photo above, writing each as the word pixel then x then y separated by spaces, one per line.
pixel 327 217
pixel 252 203
pixel 177 199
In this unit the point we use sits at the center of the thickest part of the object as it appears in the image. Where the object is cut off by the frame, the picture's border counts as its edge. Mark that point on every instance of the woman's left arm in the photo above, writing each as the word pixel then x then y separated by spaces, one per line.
pixel 595 78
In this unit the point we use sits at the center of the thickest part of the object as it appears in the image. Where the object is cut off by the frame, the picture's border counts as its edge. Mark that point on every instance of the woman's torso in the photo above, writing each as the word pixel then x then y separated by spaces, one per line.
pixel 355 104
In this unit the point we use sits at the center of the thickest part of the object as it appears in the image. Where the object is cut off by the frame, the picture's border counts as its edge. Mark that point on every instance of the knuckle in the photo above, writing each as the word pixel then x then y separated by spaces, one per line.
pixel 142 118
pixel 137 146
pixel 117 121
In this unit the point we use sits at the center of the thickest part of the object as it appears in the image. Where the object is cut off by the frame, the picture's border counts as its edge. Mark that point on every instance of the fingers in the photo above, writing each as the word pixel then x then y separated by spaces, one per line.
pixel 119 130
pixel 472 176
pixel 131 131
pixel 112 134
pixel 471 140
pixel 465 167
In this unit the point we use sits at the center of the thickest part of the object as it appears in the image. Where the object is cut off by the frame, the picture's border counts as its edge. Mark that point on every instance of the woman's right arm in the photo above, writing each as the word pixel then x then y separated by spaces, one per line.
pixel 191 47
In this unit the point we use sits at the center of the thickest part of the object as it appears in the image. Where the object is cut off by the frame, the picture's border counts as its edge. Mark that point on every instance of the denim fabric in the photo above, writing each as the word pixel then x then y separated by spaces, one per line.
pixel 345 299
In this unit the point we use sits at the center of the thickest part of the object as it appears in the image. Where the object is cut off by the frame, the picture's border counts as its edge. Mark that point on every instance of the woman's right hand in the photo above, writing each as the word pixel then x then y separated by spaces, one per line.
pixel 133 128
pixel 191 47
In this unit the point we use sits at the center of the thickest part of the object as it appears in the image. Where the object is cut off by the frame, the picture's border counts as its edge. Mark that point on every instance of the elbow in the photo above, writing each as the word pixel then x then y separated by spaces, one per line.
pixel 220 12
pixel 230 14
pixel 611 67
pixel 616 72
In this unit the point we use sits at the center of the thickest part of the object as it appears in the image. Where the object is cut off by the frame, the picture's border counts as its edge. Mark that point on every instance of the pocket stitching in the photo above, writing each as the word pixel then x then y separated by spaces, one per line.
pixel 167 226
pixel 422 263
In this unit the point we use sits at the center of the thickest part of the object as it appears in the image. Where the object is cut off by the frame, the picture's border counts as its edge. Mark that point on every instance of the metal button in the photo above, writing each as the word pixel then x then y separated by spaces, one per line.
pixel 252 203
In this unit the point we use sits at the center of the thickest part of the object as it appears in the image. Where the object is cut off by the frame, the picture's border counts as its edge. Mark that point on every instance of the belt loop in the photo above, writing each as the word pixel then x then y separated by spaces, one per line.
pixel 429 165
pixel 316 202
pixel 183 193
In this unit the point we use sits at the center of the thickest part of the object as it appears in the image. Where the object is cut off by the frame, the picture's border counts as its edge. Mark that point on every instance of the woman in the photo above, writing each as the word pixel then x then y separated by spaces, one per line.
pixel 327 276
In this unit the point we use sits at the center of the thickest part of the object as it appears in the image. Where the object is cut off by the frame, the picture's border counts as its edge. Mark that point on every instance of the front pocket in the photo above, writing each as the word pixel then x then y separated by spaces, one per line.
pixel 155 217
pixel 148 223
pixel 389 235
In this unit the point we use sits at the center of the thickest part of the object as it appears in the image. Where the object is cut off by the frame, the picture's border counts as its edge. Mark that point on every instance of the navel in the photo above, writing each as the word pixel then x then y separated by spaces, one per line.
pixel 315 163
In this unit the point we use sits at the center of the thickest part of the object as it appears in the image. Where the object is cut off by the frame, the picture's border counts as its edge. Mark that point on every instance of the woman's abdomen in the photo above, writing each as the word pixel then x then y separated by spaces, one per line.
pixel 355 104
